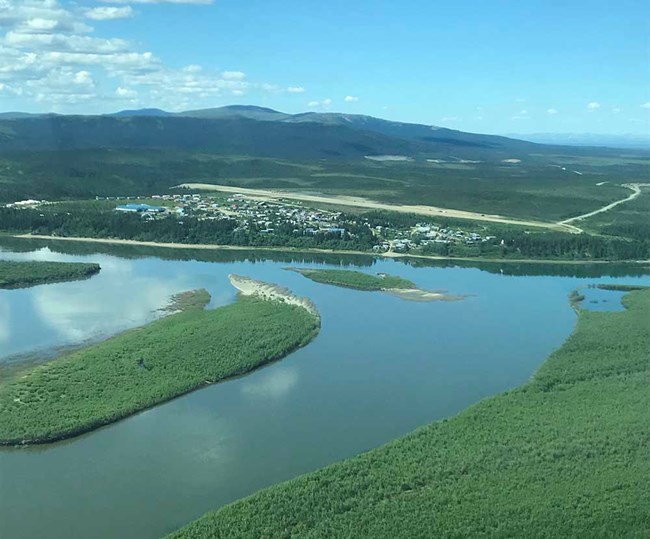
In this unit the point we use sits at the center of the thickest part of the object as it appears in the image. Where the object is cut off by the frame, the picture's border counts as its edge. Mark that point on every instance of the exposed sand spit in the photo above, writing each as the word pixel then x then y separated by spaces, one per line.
pixel 271 292
pixel 415 294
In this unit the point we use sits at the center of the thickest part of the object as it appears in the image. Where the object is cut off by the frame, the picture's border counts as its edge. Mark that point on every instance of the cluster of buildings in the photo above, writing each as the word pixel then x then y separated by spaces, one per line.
pixel 265 216
pixel 431 233
pixel 269 216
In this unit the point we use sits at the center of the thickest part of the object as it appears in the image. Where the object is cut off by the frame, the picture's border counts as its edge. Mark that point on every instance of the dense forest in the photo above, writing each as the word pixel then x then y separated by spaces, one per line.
pixel 15 274
pixel 190 230
pixel 508 242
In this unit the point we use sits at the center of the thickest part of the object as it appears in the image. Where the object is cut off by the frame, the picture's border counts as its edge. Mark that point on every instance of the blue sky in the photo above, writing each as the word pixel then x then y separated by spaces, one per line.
pixel 486 66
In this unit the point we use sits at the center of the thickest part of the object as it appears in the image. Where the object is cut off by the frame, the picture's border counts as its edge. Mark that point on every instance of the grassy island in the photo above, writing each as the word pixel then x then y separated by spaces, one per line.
pixel 356 279
pixel 564 456
pixel 24 274
pixel 149 365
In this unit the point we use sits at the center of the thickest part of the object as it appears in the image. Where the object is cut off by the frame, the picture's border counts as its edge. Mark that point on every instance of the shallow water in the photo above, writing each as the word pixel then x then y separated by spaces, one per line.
pixel 601 300
pixel 380 367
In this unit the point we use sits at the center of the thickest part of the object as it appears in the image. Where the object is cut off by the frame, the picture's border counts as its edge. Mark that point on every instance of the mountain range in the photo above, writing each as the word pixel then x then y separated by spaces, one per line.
pixel 260 132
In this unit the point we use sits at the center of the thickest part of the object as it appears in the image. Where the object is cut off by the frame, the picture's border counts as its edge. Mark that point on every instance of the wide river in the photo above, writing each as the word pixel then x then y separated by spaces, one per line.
pixel 379 368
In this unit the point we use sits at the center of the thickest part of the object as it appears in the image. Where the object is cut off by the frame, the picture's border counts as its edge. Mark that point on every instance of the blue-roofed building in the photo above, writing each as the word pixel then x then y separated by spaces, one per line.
pixel 140 208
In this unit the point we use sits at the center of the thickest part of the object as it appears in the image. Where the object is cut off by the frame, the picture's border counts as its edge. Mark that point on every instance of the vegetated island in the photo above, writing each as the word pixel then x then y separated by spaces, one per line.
pixel 382 282
pixel 18 274
pixel 564 456
pixel 146 366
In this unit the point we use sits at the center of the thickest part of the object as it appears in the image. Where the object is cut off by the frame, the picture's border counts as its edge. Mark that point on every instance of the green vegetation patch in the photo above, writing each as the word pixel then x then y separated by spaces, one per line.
pixel 564 456
pixel 148 365
pixel 356 279
pixel 24 274
pixel 621 287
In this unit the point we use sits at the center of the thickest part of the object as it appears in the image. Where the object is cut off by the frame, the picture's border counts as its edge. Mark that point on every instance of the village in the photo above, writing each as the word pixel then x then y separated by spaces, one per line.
pixel 268 217
pixel 281 217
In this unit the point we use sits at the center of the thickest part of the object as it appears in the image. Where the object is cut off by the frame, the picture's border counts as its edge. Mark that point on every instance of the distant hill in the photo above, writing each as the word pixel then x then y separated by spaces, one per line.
pixel 262 132
pixel 227 136
pixel 589 139
pixel 142 112
pixel 237 111
pixel 253 131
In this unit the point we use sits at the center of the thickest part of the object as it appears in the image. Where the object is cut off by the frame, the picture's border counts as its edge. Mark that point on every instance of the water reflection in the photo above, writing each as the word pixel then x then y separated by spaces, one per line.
pixel 274 384
pixel 121 296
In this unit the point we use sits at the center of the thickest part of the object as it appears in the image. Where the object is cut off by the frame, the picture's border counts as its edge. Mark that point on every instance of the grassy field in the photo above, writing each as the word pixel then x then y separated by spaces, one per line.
pixel 24 274
pixel 355 279
pixel 564 456
pixel 148 365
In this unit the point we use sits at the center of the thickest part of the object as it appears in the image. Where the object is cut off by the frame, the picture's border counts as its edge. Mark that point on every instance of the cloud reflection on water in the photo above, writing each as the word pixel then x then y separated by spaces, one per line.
pixel 273 384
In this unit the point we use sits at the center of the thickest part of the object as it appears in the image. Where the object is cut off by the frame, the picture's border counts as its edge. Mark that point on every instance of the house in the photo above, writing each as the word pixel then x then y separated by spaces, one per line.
pixel 140 208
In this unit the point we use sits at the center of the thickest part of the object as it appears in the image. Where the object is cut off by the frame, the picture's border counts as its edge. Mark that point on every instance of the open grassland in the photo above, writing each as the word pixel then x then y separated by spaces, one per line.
pixel 564 456
pixel 24 274
pixel 355 279
pixel 148 365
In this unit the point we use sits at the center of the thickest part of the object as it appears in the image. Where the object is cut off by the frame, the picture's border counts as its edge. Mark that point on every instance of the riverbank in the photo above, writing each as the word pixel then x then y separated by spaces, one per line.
pixel 307 250
pixel 563 456
pixel 146 366
pixel 14 274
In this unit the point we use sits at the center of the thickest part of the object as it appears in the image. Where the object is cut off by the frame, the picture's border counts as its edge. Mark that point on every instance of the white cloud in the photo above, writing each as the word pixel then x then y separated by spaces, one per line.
pixel 109 13
pixel 313 104
pixel 64 42
pixel 197 2
pixel 233 75
pixel 327 102
pixel 594 105
pixel 523 112
pixel 49 54
pixel 552 111
pixel 125 93
pixel 83 77
pixel 646 105
pixel 351 99
pixel 616 110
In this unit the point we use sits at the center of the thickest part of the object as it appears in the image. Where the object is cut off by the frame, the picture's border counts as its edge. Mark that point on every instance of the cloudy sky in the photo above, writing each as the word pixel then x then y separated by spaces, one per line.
pixel 502 66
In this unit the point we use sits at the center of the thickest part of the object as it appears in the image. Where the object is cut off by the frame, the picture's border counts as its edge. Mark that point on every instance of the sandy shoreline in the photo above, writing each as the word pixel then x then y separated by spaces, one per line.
pixel 415 294
pixel 271 292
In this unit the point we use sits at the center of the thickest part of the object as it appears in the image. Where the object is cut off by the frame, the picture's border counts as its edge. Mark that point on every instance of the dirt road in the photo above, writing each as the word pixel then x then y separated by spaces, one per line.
pixel 359 202
pixel 636 191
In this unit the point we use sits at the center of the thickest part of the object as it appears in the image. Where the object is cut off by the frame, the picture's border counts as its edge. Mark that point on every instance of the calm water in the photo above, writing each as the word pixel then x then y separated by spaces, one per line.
pixel 380 367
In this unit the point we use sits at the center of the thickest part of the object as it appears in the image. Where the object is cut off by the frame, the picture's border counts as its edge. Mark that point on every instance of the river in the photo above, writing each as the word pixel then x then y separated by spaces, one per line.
pixel 380 367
